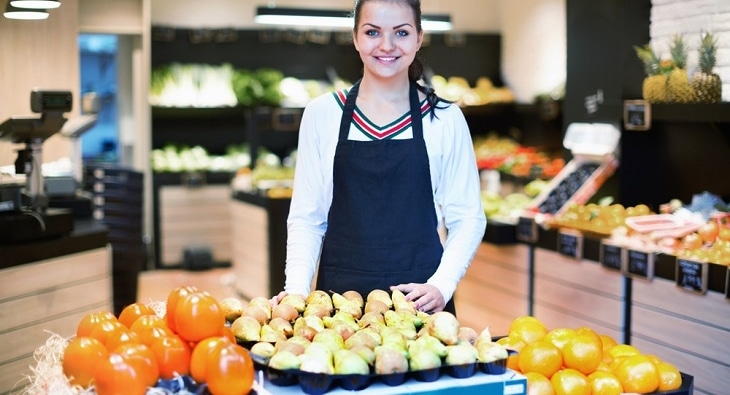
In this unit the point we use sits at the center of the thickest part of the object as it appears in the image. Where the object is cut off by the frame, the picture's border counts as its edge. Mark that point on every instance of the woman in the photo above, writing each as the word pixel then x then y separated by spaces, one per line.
pixel 380 167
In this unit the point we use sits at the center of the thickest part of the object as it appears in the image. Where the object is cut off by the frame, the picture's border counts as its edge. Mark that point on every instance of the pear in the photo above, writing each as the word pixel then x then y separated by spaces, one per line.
pixel 232 308
pixel 429 342
pixel 366 353
pixel 246 328
pixel 315 364
pixel 397 321
pixel 389 361
pixel 330 338
pixel 422 358
pixel 400 303
pixel 348 362
pixel 375 306
pixel 285 311
pixel 263 303
pixel 467 334
pixel 318 350
pixel 295 341
pixel 269 334
pixel 490 351
pixel 345 329
pixel 444 326
pixel 263 349
pixel 290 346
pixel 393 337
pixel 282 325
pixel 461 354
pixel 284 360
pixel 484 336
pixel 380 295
pixel 305 331
pixel 370 317
pixel 259 313
pixel 312 321
pixel 319 297
pixel 297 301
pixel 354 296
pixel 351 308
pixel 319 310
pixel 344 317
pixel 361 338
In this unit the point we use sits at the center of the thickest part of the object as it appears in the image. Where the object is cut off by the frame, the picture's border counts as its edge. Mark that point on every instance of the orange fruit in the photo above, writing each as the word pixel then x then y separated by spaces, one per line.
pixel 708 232
pixel 199 356
pixel 540 357
pixel 691 241
pixel 106 330
pixel 172 299
pixel 724 233
pixel 637 373
pixel 669 376
pixel 583 353
pixel 173 356
pixel 512 343
pixel 584 330
pixel 133 311
pixel 538 384
pixel 142 359
pixel 119 374
pixel 523 319
pixel 150 327
pixel 560 336
pixel 230 370
pixel 623 350
pixel 89 321
pixel 607 342
pixel 604 383
pixel 80 358
pixel 570 382
pixel 529 331
pixel 198 316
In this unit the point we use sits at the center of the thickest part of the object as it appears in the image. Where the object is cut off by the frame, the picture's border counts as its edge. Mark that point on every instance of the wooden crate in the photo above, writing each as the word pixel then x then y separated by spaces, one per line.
pixel 250 246
pixel 45 297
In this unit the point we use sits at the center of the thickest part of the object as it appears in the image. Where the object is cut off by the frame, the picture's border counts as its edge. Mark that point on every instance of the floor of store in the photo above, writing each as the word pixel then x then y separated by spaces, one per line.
pixel 155 285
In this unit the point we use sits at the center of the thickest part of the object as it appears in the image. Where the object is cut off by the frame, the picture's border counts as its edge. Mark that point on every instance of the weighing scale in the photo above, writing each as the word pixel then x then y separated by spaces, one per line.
pixel 27 217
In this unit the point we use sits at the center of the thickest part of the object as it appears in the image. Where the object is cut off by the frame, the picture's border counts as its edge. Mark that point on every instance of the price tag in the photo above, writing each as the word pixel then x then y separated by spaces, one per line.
pixel 570 243
pixel 526 230
pixel 692 275
pixel 611 256
pixel 639 264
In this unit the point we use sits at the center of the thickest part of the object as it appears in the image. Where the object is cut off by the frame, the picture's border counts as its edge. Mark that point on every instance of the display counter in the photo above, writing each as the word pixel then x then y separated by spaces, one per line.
pixel 48 286
pixel 258 233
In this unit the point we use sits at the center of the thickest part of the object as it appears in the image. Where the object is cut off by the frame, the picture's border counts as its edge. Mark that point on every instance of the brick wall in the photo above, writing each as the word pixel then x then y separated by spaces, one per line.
pixel 690 17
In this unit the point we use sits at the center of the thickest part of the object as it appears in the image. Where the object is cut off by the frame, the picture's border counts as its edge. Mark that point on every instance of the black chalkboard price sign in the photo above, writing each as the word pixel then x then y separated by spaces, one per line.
pixel 692 275
pixel 526 230
pixel 727 283
pixel 570 243
pixel 639 264
pixel 611 256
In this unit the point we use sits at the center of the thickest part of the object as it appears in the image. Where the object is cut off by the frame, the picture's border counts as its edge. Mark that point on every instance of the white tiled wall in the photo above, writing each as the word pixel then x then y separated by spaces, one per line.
pixel 690 17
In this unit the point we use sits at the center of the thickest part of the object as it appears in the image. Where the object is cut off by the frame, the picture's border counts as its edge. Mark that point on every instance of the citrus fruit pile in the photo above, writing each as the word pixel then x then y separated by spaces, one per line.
pixel 130 353
pixel 579 361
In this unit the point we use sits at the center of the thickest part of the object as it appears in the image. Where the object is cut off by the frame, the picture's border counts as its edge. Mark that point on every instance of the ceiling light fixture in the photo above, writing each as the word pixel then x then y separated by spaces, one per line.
pixel 35 4
pixel 24 13
pixel 339 19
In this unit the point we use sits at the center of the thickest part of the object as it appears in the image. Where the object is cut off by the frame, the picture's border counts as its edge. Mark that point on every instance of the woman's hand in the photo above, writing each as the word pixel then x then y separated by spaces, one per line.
pixel 425 297
pixel 277 298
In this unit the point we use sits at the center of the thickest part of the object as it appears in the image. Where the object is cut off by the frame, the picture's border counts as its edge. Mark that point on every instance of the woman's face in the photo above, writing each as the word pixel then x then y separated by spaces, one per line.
pixel 386 38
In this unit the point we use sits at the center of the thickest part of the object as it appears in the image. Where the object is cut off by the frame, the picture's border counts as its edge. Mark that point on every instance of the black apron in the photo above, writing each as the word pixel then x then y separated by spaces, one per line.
pixel 382 223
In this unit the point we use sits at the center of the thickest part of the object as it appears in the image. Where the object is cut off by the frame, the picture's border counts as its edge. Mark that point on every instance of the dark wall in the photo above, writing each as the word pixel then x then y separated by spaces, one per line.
pixel 470 55
pixel 677 157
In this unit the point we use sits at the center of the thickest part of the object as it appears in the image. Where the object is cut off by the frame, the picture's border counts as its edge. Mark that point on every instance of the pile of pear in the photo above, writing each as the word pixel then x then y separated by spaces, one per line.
pixel 345 334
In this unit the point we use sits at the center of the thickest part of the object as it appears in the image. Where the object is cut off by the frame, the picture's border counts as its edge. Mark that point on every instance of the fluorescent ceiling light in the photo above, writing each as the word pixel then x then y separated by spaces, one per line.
pixel 308 17
pixel 24 13
pixel 35 4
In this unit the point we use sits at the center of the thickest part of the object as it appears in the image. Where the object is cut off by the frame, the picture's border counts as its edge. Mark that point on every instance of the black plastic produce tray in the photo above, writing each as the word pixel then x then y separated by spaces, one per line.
pixel 320 383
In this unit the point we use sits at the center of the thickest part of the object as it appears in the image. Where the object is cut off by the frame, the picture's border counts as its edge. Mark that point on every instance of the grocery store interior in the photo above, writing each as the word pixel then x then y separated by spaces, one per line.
pixel 147 145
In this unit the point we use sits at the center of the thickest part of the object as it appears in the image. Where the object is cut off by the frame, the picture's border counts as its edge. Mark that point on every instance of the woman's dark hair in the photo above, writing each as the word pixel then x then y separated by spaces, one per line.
pixel 415 70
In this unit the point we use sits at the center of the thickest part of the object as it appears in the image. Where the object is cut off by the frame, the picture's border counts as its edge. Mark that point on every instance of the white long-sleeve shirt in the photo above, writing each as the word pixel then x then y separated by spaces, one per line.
pixel 454 181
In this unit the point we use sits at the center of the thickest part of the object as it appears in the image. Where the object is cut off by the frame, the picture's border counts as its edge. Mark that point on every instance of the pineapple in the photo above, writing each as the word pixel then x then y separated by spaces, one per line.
pixel 706 84
pixel 679 89
pixel 654 87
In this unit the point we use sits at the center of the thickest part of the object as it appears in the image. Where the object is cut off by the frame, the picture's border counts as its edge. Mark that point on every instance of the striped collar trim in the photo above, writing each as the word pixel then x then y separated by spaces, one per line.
pixel 373 131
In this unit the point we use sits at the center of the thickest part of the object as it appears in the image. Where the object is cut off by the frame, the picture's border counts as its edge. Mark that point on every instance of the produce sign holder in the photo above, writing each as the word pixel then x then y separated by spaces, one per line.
pixel 592 147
